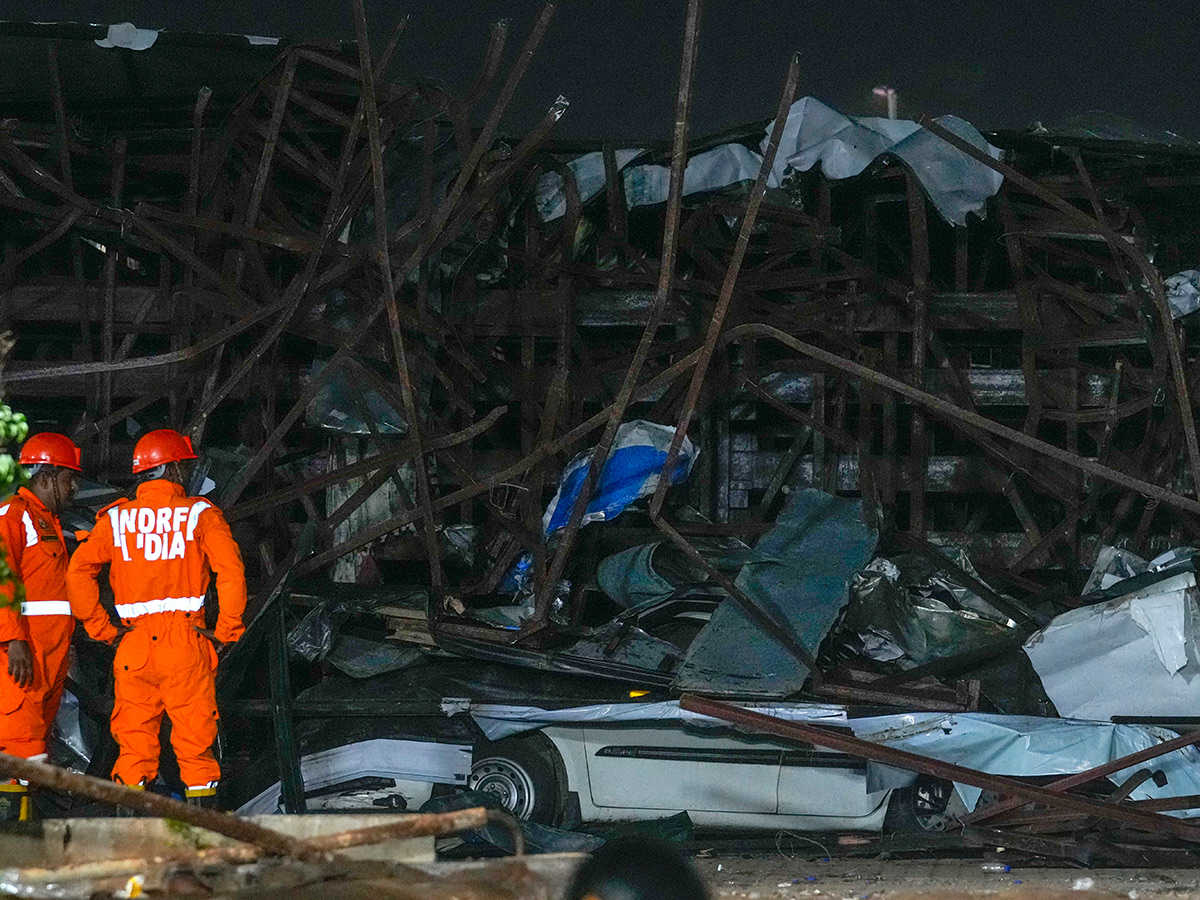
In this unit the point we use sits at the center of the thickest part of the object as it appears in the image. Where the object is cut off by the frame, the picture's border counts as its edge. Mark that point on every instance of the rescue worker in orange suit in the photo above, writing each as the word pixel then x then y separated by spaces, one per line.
pixel 162 548
pixel 36 634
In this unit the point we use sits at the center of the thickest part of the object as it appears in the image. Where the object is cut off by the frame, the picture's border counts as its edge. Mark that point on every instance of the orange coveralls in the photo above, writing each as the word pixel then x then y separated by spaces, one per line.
pixel 33 545
pixel 162 548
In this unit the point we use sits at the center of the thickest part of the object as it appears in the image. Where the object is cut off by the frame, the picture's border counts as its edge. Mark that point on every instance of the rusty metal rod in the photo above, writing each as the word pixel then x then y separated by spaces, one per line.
pixel 231 826
pixel 666 280
pixel 749 217
pixel 1108 768
pixel 399 349
pixel 938 405
pixel 440 218
pixel 1152 280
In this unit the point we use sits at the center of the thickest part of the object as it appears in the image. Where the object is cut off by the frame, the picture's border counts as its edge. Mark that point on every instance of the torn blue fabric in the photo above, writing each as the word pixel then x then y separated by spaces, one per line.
pixel 631 472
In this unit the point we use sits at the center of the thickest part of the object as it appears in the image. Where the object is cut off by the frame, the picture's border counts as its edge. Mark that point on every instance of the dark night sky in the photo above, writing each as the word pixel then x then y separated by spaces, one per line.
pixel 1004 63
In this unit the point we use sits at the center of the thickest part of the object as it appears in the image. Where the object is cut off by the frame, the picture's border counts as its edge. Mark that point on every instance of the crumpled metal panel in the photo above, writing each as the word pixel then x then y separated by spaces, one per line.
pixel 1027 746
pixel 799 573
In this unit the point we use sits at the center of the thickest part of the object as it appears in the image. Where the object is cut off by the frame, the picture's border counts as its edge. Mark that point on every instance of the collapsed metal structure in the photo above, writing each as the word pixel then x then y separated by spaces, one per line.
pixel 1016 387
pixel 851 340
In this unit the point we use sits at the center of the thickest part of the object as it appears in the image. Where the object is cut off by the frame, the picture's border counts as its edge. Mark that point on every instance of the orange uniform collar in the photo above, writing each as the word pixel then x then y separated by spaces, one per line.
pixel 32 498
pixel 160 487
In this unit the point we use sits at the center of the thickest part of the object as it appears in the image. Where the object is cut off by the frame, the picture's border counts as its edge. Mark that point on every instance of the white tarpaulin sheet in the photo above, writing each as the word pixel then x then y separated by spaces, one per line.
pixel 844 146
pixel 1026 745
pixel 1131 656
pixel 1183 292
pixel 500 721
pixel 425 761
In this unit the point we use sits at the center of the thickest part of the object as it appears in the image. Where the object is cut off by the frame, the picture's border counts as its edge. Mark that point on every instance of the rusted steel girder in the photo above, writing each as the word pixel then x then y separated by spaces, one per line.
pixel 1152 281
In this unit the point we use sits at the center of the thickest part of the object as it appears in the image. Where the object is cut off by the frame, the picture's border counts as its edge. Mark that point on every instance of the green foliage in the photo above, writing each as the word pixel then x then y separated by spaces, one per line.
pixel 13 430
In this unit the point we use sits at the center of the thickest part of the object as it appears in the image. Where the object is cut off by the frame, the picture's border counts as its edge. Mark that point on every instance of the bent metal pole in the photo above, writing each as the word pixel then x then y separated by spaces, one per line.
pixel 56 779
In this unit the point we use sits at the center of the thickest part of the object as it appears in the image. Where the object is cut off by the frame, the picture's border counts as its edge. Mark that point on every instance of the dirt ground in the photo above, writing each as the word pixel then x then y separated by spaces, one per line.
pixel 783 878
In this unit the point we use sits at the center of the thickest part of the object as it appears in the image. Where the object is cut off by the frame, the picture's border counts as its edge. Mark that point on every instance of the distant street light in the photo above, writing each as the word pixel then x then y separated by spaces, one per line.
pixel 889 94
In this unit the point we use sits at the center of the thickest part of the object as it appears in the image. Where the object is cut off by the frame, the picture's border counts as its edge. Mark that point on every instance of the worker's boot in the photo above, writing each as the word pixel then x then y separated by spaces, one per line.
pixel 204 797
pixel 15 805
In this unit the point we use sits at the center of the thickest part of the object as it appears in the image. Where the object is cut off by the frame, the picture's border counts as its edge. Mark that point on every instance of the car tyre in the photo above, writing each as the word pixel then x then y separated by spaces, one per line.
pixel 525 774
pixel 924 807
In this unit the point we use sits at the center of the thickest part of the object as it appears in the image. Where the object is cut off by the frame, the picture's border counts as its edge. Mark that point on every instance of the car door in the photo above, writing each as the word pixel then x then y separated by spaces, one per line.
pixel 669 766
pixel 818 782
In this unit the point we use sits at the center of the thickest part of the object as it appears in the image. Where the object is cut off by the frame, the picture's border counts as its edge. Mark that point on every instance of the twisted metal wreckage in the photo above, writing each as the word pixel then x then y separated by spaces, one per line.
pixel 415 324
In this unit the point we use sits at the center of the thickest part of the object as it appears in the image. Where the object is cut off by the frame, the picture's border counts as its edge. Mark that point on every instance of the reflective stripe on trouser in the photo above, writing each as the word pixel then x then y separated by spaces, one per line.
pixel 176 679
pixel 14 803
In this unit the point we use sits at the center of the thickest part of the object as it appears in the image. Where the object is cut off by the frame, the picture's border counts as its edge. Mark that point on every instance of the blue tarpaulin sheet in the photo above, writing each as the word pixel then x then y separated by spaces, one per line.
pixel 630 472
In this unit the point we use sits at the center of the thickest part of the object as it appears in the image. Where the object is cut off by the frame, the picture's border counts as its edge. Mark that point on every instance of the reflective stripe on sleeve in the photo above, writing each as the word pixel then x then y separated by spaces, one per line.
pixel 45 608
pixel 31 535
pixel 167 604
pixel 194 518
pixel 114 518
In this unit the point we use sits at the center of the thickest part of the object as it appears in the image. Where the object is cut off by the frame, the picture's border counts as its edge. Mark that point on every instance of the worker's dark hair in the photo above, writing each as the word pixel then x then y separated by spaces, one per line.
pixel 637 867
pixel 47 469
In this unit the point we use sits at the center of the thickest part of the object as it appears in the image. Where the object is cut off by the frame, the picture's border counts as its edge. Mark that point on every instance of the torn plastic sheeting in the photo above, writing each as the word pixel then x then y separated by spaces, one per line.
pixel 955 183
pixel 1132 655
pixel 648 184
pixel 711 170
pixel 630 472
pixel 844 146
pixel 128 36
pixel 799 574
pixel 337 407
pixel 909 611
pixel 1130 573
pixel 651 572
pixel 590 179
pixel 362 658
pixel 1028 746
pixel 68 728
pixel 1112 565
pixel 501 720
pixel 934 582
pixel 313 636
pixel 1183 292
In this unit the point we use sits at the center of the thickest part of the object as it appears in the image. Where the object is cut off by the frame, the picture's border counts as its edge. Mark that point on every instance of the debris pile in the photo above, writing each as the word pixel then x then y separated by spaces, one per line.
pixel 844 409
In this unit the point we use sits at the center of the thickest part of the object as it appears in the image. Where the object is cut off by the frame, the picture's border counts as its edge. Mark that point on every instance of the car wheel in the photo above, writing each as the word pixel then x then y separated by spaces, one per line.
pixel 929 805
pixel 525 774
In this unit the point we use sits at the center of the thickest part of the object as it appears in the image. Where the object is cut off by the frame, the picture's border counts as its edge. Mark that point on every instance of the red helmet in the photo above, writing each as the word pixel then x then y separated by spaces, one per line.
pixel 51 449
pixel 157 448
